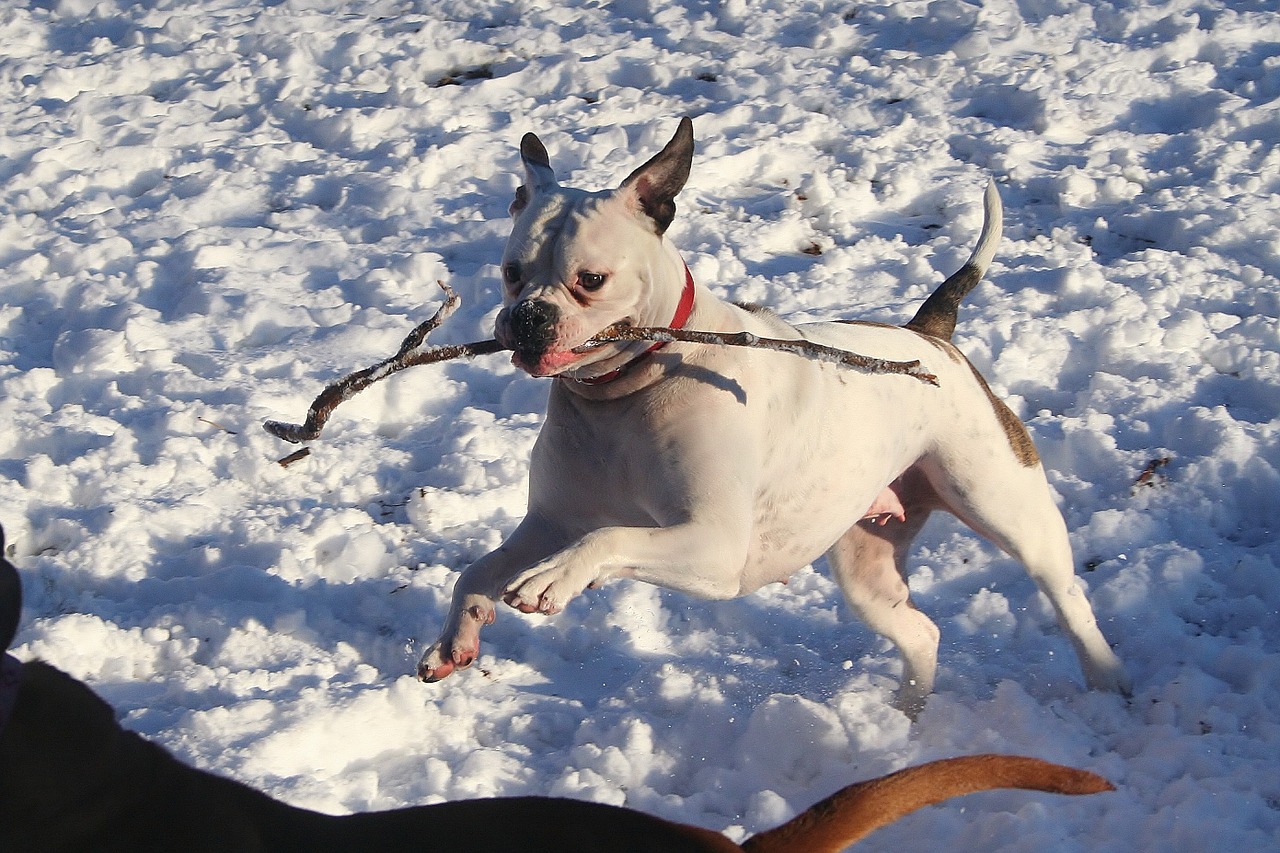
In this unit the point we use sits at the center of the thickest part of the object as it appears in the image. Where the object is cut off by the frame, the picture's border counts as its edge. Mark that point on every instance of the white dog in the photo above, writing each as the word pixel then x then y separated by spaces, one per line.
pixel 717 470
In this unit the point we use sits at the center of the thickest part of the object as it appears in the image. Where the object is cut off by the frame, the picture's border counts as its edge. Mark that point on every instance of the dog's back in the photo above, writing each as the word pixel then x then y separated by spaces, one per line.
pixel 73 780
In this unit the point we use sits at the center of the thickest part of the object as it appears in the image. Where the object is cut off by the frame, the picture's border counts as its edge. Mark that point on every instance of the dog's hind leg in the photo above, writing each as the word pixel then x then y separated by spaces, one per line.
pixel 1012 505
pixel 869 563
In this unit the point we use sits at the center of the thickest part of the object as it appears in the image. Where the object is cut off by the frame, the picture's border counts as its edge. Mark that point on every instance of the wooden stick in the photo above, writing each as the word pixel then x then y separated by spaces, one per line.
pixel 808 349
pixel 411 354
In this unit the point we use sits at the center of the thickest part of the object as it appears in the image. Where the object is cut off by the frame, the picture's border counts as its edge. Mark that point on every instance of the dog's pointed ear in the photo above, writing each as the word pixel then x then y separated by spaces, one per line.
pixel 537 170
pixel 10 598
pixel 654 186
pixel 533 152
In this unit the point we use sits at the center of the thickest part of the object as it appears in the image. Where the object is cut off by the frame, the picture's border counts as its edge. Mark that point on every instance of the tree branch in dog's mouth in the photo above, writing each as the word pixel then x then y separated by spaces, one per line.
pixel 410 354
pixel 809 349
pixel 413 353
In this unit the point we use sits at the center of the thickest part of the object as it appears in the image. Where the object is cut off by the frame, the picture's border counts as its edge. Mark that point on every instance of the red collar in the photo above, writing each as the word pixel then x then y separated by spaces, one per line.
pixel 683 312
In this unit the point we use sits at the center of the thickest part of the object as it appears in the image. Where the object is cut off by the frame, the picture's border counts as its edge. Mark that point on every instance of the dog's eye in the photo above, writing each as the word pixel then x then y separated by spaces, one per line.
pixel 511 272
pixel 591 280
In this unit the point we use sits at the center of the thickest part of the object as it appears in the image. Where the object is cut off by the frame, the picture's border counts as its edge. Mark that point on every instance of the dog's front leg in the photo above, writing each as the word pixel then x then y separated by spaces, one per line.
pixel 475 593
pixel 693 558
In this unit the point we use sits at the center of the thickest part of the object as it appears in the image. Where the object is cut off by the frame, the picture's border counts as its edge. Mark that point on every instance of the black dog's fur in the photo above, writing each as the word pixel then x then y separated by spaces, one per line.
pixel 72 780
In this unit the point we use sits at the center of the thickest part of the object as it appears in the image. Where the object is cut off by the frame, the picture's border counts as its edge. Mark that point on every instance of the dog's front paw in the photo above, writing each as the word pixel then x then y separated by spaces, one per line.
pixel 457 648
pixel 435 665
pixel 543 589
pixel 528 600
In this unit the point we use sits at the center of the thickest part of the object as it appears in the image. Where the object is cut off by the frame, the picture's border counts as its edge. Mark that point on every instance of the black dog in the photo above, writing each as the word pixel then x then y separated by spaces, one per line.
pixel 71 779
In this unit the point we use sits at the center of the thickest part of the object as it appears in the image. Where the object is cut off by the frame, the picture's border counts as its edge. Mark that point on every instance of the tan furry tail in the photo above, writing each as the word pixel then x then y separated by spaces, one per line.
pixel 858 810
pixel 937 316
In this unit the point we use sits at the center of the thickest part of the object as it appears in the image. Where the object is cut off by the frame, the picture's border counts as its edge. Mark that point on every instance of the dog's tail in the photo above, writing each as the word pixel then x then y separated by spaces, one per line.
pixel 937 316
pixel 858 810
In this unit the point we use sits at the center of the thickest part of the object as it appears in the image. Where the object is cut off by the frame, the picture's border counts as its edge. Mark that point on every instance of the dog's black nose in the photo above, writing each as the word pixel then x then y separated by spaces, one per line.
pixel 533 325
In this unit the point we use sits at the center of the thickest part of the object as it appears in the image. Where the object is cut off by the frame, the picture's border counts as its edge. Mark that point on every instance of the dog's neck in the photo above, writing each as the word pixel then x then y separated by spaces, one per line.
pixel 684 310
pixel 688 304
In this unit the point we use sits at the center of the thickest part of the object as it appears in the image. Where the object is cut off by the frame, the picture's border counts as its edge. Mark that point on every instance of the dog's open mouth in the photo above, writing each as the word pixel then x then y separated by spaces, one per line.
pixel 542 363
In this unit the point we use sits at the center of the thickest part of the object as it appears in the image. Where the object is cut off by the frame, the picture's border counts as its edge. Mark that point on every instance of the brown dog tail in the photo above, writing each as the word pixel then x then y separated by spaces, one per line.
pixel 858 810
pixel 937 316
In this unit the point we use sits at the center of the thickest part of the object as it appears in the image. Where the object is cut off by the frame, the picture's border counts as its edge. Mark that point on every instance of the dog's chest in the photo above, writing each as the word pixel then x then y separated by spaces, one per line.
pixel 594 463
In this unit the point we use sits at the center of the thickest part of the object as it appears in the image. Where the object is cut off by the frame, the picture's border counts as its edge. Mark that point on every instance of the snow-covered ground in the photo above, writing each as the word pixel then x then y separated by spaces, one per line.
pixel 210 209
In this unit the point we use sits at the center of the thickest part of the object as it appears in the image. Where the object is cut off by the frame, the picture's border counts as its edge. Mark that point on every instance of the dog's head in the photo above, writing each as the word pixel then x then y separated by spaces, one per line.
pixel 577 262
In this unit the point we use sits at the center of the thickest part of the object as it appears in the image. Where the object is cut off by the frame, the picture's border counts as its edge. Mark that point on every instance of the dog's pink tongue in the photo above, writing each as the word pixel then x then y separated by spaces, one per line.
pixel 547 364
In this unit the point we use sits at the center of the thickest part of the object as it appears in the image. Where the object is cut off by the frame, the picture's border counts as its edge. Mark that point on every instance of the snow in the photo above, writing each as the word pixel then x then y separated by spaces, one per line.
pixel 209 210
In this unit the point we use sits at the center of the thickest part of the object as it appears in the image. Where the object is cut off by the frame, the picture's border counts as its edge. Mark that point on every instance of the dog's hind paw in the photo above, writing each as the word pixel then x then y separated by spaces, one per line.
pixel 1112 678
pixel 1103 669
pixel 910 700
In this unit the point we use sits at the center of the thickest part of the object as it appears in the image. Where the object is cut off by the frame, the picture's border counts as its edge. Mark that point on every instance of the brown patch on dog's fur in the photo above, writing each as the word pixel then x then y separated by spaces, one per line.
pixel 941 343
pixel 1016 432
pixel 1014 429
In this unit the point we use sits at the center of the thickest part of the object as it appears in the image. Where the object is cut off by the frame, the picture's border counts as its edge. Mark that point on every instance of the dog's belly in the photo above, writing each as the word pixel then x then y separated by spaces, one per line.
pixel 798 518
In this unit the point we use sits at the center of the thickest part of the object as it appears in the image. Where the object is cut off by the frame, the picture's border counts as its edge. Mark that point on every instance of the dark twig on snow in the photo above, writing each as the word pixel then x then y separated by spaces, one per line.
pixel 412 353
pixel 1151 475
pixel 293 457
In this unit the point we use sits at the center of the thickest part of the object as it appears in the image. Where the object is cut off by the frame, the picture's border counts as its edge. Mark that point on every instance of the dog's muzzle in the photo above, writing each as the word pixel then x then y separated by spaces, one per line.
pixel 532 324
